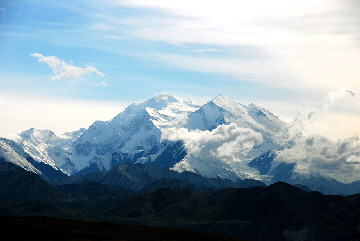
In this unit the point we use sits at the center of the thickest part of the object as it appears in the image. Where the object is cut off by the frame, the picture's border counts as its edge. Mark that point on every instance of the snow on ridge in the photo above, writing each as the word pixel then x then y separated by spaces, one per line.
pixel 11 155
pixel 45 146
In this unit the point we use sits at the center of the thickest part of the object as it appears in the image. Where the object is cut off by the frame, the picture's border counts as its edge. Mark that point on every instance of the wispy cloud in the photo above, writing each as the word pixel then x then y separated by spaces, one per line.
pixel 301 44
pixel 65 71
pixel 103 84
pixel 252 69
pixel 303 118
pixel 2 10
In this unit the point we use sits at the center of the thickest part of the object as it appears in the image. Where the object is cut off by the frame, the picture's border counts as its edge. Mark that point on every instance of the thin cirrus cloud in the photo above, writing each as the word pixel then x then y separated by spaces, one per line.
pixel 66 71
pixel 298 44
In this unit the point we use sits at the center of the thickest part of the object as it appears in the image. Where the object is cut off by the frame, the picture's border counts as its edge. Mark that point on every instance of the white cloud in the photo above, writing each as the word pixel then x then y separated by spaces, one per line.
pixel 341 96
pixel 63 70
pixel 302 118
pixel 228 143
pixel 337 159
pixel 217 153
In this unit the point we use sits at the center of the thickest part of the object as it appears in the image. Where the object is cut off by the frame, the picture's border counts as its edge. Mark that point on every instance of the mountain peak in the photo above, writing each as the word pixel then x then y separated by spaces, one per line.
pixel 226 103
pixel 166 97
pixel 38 133
pixel 157 102
pixel 221 99
pixel 164 104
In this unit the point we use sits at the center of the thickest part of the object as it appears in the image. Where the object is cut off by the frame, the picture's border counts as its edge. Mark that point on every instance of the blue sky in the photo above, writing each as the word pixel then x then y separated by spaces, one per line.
pixel 291 57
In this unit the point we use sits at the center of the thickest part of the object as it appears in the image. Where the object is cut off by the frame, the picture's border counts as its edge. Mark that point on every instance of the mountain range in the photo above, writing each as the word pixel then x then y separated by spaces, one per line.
pixel 221 167
pixel 220 139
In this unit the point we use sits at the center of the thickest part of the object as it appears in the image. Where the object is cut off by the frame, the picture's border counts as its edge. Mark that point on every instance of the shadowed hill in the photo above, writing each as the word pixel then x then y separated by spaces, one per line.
pixel 94 189
pixel 138 176
pixel 149 203
pixel 22 186
pixel 168 183
pixel 46 228
pixel 277 212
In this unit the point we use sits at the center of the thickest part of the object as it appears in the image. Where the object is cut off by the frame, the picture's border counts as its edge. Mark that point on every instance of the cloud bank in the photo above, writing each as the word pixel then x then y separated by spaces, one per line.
pixel 319 154
pixel 228 143
pixel 217 153
pixel 63 70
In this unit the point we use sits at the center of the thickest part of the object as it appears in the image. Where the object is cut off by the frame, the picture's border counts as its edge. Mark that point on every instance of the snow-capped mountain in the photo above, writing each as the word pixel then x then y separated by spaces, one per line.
pixel 13 153
pixel 135 132
pixel 10 152
pixel 218 139
pixel 223 111
pixel 44 146
pixel 221 138
pixel 230 136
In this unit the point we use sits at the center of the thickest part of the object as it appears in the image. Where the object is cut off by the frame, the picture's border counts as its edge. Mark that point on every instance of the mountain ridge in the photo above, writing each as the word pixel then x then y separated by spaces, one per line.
pixel 221 138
